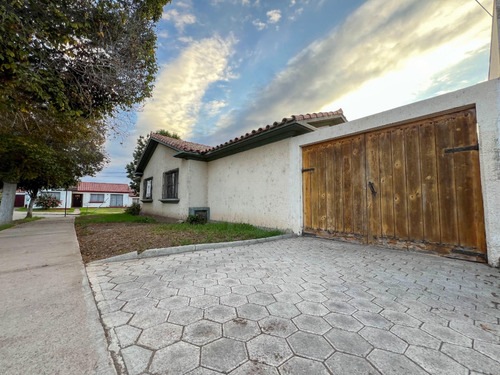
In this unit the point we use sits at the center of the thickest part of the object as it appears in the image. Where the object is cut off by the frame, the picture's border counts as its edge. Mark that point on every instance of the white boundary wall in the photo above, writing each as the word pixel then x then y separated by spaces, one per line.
pixel 484 96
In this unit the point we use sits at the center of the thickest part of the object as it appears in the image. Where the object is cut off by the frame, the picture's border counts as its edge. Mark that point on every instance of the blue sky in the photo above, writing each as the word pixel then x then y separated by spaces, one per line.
pixel 229 66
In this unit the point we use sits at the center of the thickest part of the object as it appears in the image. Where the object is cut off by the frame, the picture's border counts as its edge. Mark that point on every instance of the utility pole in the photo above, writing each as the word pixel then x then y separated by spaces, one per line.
pixel 494 71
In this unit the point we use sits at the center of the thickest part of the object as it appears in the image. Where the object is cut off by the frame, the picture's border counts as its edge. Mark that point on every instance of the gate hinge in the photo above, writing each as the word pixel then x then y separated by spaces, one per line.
pixel 307 170
pixel 460 149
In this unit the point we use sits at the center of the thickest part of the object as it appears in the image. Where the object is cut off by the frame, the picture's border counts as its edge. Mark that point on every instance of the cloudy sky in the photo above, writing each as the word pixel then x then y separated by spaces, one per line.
pixel 229 66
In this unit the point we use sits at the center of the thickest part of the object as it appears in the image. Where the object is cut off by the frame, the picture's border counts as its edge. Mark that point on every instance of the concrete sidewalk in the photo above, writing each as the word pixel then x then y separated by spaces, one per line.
pixel 49 322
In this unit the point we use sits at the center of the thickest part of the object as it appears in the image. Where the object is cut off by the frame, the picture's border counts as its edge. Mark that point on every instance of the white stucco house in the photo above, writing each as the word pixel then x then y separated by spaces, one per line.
pixel 91 194
pixel 288 175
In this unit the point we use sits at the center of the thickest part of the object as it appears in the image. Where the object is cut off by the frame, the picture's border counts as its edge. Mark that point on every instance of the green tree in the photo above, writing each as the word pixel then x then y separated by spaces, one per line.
pixel 142 141
pixel 66 66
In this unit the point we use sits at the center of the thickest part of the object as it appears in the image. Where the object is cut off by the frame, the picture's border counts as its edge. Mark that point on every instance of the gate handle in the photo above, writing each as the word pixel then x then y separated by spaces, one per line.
pixel 370 184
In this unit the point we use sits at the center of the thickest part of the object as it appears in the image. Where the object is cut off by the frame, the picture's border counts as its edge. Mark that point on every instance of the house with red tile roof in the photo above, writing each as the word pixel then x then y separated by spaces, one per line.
pixel 91 194
pixel 245 179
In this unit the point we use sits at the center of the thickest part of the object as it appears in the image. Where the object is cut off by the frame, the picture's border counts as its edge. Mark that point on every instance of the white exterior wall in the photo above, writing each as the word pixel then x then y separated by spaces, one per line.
pixel 252 186
pixel 127 200
pixel 192 191
pixel 62 198
pixel 485 97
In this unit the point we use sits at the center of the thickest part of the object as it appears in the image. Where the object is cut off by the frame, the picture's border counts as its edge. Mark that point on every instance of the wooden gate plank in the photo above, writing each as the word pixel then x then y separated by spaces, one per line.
pixel 358 184
pixel 306 187
pixel 467 170
pixel 413 184
pixel 339 204
pixel 399 184
pixel 446 182
pixel 373 188
pixel 331 188
pixel 430 199
pixel 347 184
pixel 386 188
pixel 314 189
pixel 321 175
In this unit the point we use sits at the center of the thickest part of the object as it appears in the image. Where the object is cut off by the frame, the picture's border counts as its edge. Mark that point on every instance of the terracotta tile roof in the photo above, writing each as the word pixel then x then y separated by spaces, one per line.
pixel 103 187
pixel 181 145
pixel 284 121
pixel 203 149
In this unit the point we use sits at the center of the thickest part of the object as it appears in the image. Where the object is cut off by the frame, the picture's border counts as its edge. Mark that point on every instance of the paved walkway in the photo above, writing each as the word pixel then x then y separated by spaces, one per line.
pixel 49 323
pixel 302 306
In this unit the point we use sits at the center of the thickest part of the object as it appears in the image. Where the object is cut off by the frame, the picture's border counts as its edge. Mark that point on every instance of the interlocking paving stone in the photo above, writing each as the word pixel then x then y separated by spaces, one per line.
pixel 220 313
pixel 383 339
pixel 178 358
pixel 136 359
pixel 202 332
pixel 254 368
pixel 223 355
pixel 312 308
pixel 127 335
pixel 442 313
pixel 234 300
pixel 415 336
pixel 252 311
pixel 172 303
pixel 394 364
pixel 241 329
pixel 435 362
pixel 471 359
pixel 297 365
pixel 310 345
pixel 312 324
pixel 270 350
pixel 149 318
pixel 348 342
pixel 341 363
pixel 185 315
pixel 160 336
pixel 342 321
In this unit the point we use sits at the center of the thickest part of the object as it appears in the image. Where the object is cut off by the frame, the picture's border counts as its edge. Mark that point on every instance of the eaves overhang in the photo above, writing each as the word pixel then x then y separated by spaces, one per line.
pixel 270 136
pixel 147 153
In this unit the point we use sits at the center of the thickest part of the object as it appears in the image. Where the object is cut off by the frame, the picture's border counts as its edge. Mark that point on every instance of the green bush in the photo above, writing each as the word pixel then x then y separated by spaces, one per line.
pixel 195 219
pixel 47 201
pixel 134 209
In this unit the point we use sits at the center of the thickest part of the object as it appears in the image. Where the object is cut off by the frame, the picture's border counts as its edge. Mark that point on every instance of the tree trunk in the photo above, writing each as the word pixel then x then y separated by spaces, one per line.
pixel 33 194
pixel 7 204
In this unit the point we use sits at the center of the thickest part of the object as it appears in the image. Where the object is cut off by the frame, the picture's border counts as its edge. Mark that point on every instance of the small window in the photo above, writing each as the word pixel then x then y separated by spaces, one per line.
pixel 170 183
pixel 96 198
pixel 148 188
pixel 54 194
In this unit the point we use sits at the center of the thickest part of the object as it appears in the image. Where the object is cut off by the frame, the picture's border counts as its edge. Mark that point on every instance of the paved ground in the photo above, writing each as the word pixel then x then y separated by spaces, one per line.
pixel 49 323
pixel 302 306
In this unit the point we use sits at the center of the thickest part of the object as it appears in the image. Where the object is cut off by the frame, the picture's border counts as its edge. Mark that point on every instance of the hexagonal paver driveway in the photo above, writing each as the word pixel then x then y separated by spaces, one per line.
pixel 301 306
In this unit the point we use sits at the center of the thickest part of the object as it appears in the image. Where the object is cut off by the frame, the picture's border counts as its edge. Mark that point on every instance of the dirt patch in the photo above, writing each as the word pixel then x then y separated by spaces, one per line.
pixel 104 240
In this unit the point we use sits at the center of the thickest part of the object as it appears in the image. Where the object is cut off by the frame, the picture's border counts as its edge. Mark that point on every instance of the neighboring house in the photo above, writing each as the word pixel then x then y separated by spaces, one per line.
pixel 20 198
pixel 98 194
pixel 424 176
pixel 91 194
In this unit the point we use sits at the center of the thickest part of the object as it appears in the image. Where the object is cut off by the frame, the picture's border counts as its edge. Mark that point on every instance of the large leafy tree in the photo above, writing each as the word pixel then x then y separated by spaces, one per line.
pixel 66 67
pixel 142 141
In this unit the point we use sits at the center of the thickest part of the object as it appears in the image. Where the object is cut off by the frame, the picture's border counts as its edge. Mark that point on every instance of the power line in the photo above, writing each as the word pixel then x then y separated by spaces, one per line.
pixel 486 10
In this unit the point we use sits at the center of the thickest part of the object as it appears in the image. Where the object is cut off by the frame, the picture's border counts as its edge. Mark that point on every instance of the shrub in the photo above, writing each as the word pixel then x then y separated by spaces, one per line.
pixel 134 209
pixel 46 202
pixel 195 219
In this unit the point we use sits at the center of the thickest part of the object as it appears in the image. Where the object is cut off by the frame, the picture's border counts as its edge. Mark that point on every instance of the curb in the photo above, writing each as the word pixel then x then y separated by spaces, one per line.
pixel 188 248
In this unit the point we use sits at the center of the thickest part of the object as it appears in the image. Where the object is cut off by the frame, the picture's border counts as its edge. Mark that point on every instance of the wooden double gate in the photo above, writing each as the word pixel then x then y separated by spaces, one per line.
pixel 413 186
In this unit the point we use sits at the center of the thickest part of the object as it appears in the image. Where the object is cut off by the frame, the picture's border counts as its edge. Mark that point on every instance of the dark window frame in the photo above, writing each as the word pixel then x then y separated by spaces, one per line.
pixel 170 189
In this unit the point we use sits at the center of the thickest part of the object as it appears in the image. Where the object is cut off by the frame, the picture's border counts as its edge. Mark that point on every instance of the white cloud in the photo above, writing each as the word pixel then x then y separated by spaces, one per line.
pixel 179 20
pixel 292 3
pixel 273 16
pixel 384 55
pixel 180 87
pixel 214 107
pixel 162 34
pixel 259 25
